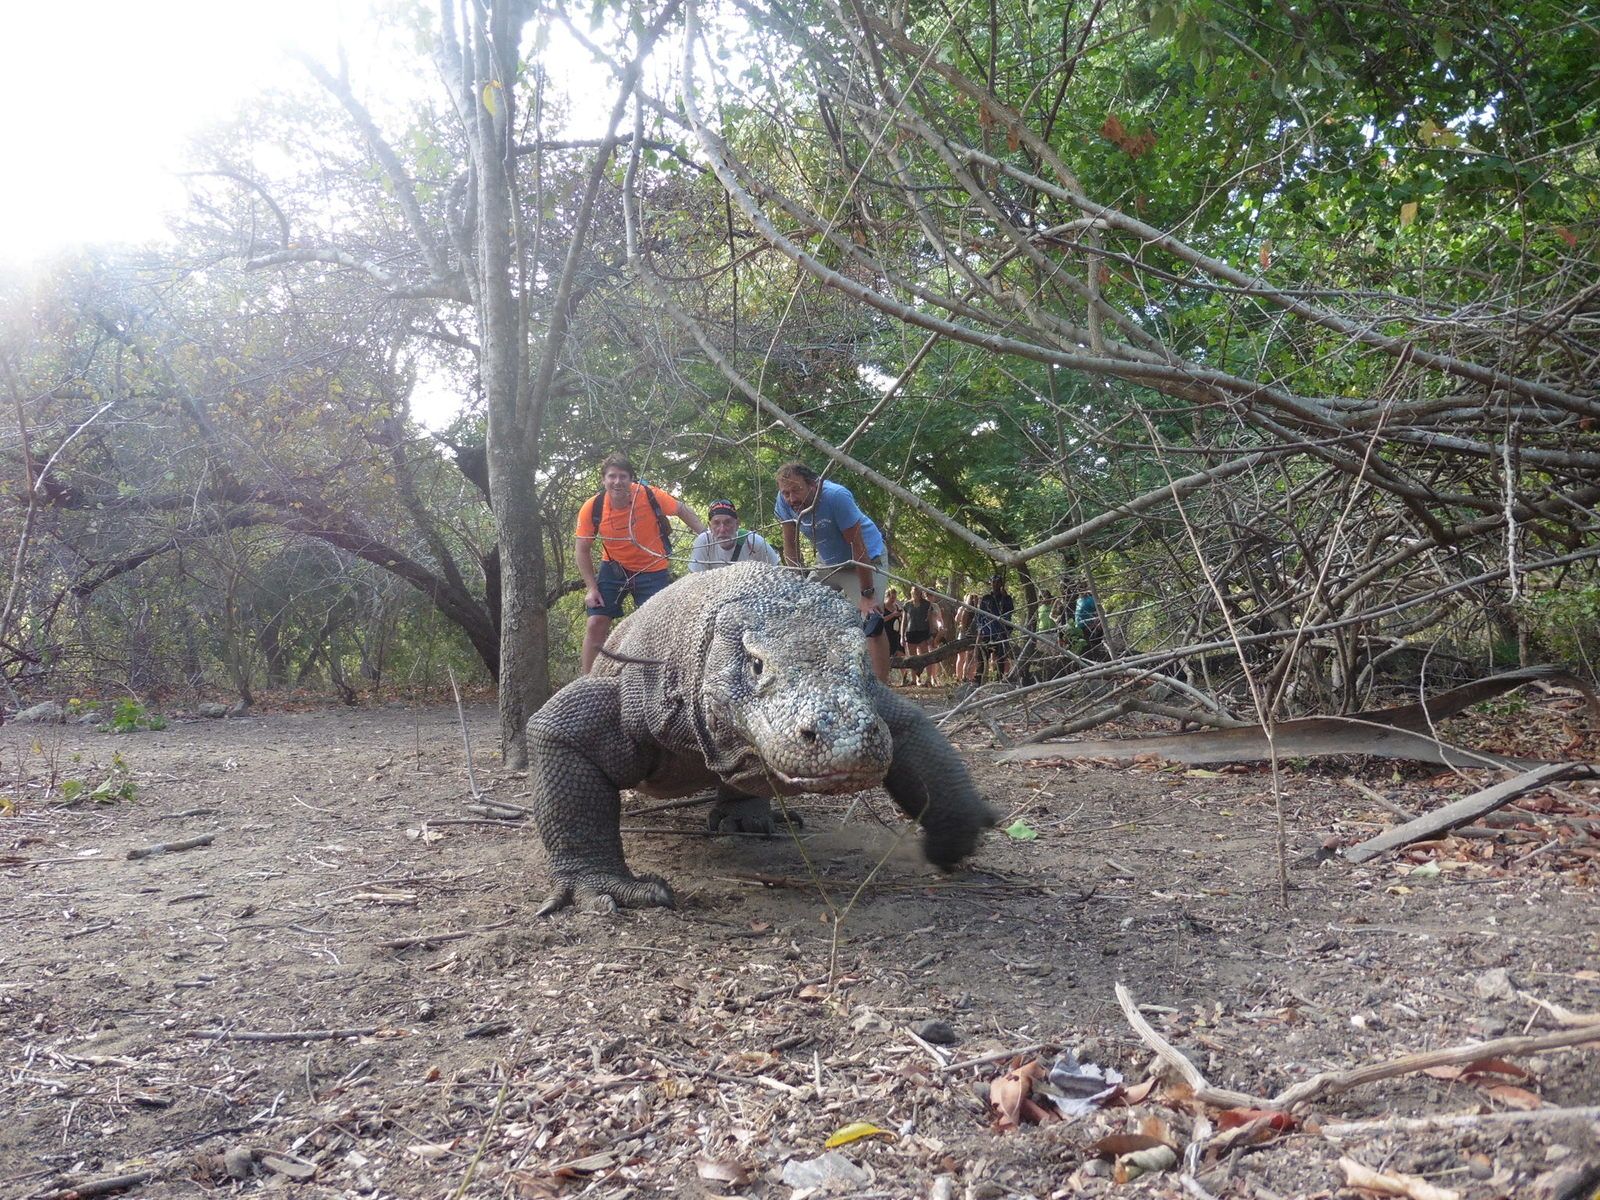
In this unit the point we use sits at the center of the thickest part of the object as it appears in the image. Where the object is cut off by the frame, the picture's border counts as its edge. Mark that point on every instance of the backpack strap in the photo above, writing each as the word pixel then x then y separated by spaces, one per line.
pixel 661 520
pixel 597 508
pixel 738 546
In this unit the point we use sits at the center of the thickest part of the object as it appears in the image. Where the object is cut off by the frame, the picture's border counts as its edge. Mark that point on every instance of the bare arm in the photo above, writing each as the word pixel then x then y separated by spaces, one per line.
pixel 864 572
pixel 688 516
pixel 583 551
pixel 791 544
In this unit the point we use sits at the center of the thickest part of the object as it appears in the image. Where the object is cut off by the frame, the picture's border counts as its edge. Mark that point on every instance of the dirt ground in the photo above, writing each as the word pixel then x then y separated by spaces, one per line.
pixel 241 1016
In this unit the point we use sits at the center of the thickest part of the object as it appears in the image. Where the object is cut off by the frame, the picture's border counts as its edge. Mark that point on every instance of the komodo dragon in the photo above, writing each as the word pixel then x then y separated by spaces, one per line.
pixel 748 678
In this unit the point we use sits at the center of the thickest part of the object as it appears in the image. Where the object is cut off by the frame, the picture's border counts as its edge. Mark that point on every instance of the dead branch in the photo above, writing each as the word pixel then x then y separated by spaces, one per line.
pixel 1340 1129
pixel 1465 810
pixel 288 1035
pixel 1334 1082
pixel 204 839
pixel 430 939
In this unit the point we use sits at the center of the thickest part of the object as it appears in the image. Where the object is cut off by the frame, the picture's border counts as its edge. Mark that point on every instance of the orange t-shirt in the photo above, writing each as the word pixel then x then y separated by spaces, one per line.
pixel 630 537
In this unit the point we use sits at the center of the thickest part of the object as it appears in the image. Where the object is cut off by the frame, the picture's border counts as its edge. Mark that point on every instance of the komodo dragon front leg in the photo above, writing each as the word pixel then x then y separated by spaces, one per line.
pixel 929 783
pixel 581 757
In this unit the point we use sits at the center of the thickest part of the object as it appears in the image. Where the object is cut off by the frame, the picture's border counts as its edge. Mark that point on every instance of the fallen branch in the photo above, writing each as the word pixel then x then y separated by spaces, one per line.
pixel 288 1035
pixel 996 1056
pixel 1332 1082
pixel 1404 731
pixel 171 847
pixel 1173 1057
pixel 1456 1121
pixel 428 939
pixel 1465 810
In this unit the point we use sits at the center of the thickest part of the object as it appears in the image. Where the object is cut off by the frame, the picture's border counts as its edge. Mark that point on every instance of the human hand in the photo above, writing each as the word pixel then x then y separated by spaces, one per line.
pixel 593 598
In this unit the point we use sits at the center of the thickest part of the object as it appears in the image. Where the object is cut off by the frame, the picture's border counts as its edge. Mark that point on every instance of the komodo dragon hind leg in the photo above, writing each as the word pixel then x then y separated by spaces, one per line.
pixel 580 759
pixel 929 783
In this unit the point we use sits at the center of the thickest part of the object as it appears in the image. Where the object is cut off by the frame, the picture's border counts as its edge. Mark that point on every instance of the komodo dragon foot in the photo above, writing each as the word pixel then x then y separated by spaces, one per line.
pixel 749 814
pixel 610 892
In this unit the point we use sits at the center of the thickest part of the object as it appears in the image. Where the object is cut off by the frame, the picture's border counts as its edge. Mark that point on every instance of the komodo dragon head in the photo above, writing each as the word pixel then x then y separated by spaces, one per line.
pixel 785 671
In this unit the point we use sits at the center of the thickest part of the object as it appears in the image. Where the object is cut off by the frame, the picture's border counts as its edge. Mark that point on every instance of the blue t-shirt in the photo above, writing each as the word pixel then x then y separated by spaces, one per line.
pixel 1084 613
pixel 826 520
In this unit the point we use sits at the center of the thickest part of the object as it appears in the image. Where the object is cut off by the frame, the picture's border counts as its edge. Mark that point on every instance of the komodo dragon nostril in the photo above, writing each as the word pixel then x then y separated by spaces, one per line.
pixel 808 733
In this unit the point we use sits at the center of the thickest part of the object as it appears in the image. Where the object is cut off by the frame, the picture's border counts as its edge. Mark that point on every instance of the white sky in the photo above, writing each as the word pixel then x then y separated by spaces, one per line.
pixel 97 98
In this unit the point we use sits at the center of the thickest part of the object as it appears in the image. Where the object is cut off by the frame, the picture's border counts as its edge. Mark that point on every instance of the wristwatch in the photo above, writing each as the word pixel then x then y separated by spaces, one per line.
pixel 869 593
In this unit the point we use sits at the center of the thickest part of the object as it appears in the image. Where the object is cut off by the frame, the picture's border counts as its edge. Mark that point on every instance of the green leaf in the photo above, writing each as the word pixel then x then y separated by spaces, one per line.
pixel 1021 831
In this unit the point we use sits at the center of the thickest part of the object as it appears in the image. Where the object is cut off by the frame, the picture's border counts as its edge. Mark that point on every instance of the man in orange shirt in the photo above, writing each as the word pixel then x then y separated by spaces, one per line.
pixel 629 519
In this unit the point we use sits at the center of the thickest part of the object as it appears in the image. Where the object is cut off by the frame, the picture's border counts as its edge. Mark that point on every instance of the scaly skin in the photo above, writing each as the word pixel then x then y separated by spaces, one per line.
pixel 748 679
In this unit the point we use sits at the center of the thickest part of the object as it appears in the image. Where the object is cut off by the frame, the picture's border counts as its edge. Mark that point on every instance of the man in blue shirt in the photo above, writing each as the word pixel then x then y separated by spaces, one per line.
pixel 848 545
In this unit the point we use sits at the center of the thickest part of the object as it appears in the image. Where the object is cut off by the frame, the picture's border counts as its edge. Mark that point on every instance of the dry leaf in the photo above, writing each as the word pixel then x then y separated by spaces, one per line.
pixel 1514 1097
pixel 1413 1187
pixel 1115 1145
pixel 1483 1066
pixel 714 1170
pixel 428 1151
pixel 1138 1093
pixel 1012 1096
pixel 854 1132
pixel 1234 1117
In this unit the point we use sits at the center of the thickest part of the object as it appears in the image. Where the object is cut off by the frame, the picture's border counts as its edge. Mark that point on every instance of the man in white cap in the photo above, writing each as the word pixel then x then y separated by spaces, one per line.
pixel 724 542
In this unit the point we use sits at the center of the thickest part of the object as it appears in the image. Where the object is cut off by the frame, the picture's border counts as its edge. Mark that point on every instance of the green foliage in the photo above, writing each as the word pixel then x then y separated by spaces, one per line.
pixel 130 716
pixel 112 786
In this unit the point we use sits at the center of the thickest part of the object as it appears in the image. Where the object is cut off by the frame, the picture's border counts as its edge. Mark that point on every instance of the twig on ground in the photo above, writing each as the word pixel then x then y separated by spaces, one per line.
pixel 189 812
pixel 97 1187
pixel 204 839
pixel 996 1056
pixel 287 1035
pixel 670 805
pixel 794 986
pixel 1169 1054
pixel 1561 1016
pixel 1462 811
pixel 495 808
pixel 428 939
pixel 466 738
pixel 1456 1121
pixel 1332 1082
pixel 503 822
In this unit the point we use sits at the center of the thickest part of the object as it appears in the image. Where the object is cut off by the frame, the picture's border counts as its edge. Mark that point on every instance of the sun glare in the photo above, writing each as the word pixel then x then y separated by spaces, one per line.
pixel 98 99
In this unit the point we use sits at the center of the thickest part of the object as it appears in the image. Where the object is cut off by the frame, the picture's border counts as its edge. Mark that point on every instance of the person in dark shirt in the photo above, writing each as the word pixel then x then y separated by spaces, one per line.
pixel 995 612
pixel 918 630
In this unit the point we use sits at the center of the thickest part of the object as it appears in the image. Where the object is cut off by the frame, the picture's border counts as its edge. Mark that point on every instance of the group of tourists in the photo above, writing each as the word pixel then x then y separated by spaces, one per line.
pixel 629 520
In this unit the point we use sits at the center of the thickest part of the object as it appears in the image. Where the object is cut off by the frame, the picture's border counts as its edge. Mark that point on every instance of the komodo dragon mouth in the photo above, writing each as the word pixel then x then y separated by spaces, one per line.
pixel 832 781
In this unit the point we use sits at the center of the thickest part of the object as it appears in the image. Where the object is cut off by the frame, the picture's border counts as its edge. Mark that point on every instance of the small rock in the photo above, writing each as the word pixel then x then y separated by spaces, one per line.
pixel 832 1168
pixel 49 711
pixel 238 1161
pixel 1495 985
pixel 214 711
pixel 937 1033
pixel 944 1188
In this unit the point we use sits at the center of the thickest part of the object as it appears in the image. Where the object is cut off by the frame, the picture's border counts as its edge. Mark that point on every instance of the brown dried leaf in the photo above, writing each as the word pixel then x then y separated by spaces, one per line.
pixel 1232 1118
pixel 1413 1187
pixel 714 1170
pixel 1514 1097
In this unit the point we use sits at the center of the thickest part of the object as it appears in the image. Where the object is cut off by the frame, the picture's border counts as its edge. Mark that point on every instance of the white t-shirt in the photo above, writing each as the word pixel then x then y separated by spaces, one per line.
pixel 707 552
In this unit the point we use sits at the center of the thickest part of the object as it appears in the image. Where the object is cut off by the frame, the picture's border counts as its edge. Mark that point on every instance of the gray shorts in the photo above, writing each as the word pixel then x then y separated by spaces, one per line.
pixel 845 579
